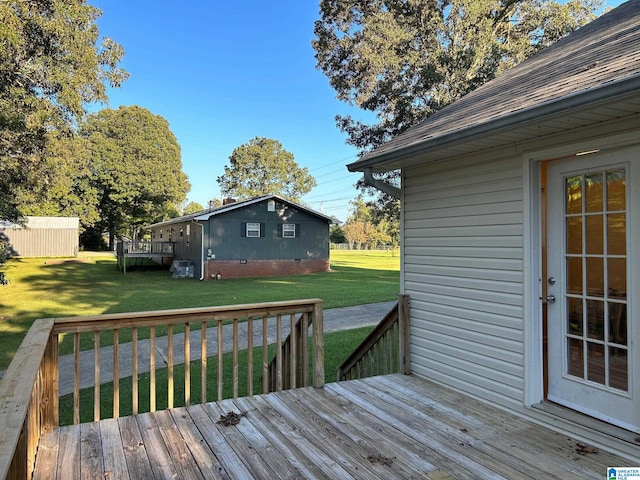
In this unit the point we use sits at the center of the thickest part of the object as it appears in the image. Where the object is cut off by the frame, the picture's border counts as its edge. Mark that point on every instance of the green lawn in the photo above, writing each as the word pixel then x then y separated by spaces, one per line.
pixel 91 284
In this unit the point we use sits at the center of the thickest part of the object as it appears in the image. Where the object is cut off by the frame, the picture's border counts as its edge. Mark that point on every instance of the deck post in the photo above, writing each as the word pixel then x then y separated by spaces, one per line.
pixel 318 346
pixel 403 334
pixel 49 406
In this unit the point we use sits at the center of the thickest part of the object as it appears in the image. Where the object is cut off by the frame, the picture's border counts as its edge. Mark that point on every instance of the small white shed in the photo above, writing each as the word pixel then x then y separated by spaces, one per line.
pixel 42 237
pixel 520 233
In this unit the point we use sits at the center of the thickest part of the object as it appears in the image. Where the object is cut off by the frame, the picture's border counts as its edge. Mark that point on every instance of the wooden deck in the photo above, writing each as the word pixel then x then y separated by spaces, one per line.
pixel 385 427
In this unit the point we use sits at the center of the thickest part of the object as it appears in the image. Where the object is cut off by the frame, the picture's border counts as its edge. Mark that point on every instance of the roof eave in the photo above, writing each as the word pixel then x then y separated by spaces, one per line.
pixel 614 91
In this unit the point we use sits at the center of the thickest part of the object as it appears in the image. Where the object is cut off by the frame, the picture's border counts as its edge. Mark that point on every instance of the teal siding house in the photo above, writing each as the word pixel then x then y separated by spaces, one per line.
pixel 262 236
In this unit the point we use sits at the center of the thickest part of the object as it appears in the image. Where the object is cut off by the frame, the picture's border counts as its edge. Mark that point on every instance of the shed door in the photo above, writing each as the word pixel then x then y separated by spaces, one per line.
pixel 593 312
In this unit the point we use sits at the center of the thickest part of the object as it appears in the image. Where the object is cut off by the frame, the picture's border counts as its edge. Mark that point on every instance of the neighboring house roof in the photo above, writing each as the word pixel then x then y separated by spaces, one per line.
pixel 41 223
pixel 596 68
pixel 204 215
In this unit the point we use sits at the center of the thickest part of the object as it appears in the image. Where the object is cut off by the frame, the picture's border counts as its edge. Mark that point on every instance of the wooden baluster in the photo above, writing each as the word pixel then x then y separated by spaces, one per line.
pixel 134 370
pixel 220 350
pixel 393 337
pixel 152 368
pixel 116 375
pixel 382 355
pixel 318 346
pixel 278 352
pixel 395 346
pixel 372 361
pixel 33 426
pixel 187 364
pixel 293 352
pixel 96 376
pixel 235 358
pixel 50 390
pixel 250 356
pixel 265 356
pixel 76 378
pixel 304 357
pixel 170 365
pixel 403 335
pixel 203 361
pixel 390 350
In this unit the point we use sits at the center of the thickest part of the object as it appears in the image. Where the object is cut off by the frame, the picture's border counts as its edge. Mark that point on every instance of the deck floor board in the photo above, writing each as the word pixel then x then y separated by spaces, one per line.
pixel 388 427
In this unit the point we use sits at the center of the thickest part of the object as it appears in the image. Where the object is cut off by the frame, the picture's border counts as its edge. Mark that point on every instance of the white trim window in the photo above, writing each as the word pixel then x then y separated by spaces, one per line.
pixel 289 230
pixel 253 230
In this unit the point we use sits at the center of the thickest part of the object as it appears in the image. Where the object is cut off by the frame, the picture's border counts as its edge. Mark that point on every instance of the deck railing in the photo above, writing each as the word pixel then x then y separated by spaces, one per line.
pixel 29 390
pixel 385 350
pixel 145 248
pixel 290 366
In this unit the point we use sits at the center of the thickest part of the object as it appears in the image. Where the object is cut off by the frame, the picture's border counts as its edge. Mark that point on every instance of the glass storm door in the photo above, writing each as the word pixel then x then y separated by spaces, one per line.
pixel 592 241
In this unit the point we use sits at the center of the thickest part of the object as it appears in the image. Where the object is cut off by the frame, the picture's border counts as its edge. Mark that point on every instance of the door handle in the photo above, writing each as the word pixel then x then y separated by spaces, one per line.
pixel 550 298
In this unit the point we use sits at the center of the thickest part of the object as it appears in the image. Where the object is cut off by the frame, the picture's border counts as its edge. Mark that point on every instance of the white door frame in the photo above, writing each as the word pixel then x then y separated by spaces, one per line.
pixel 591 397
pixel 532 159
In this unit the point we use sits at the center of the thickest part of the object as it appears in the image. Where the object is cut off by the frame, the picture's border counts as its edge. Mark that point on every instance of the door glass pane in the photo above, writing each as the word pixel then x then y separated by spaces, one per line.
pixel 616 189
pixel 595 319
pixel 574 235
pixel 595 362
pixel 618 323
pixel 617 234
pixel 618 368
pixel 573 187
pixel 594 234
pixel 575 357
pixel 596 259
pixel 574 316
pixel 617 277
pixel 595 274
pixel 574 275
pixel 593 194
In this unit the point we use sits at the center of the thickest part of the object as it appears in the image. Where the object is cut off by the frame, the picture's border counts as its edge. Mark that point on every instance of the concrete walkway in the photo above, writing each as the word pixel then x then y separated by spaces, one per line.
pixel 334 320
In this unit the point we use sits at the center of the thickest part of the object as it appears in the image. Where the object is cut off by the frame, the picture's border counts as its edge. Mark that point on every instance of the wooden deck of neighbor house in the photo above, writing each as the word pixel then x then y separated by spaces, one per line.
pixel 383 427
pixel 125 251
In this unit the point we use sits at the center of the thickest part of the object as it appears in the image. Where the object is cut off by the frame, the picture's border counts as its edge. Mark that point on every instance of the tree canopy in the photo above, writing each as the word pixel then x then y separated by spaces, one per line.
pixel 192 207
pixel 66 187
pixel 405 59
pixel 263 167
pixel 369 226
pixel 52 66
pixel 136 167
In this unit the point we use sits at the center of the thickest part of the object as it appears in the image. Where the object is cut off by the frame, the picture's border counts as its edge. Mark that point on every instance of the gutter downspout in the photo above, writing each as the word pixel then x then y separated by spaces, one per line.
pixel 381 185
pixel 201 248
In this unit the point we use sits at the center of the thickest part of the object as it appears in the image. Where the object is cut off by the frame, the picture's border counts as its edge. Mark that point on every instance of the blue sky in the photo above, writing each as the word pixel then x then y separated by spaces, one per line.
pixel 224 72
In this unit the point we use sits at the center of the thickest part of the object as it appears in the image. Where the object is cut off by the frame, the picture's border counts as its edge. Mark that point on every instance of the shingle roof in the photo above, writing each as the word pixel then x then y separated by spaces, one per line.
pixel 204 215
pixel 597 62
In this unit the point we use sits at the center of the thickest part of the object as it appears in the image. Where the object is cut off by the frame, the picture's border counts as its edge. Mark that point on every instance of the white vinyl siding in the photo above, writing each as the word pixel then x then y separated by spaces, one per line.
pixel 463 263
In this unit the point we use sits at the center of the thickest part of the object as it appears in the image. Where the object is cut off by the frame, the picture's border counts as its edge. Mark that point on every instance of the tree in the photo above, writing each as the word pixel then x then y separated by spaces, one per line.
pixel 336 235
pixel 136 168
pixel 65 188
pixel 386 217
pixel 192 207
pixel 369 225
pixel 405 59
pixel 51 68
pixel 263 167
pixel 357 233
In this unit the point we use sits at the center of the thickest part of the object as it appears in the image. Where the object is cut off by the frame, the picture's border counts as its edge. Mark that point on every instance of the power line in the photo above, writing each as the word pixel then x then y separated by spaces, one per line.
pixel 333 163
pixel 332 200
